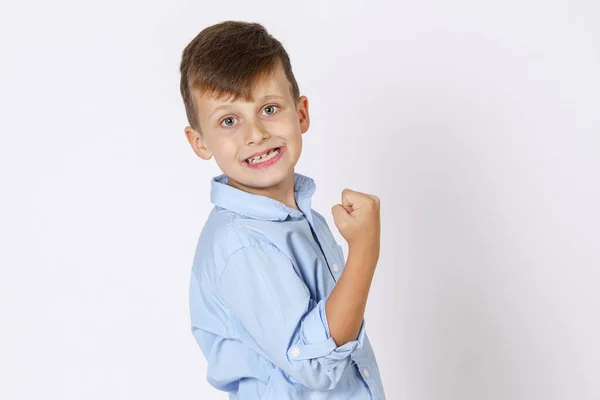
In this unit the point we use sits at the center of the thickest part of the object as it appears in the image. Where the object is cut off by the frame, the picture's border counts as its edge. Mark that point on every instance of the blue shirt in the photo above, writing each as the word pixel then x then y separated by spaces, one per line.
pixel 261 276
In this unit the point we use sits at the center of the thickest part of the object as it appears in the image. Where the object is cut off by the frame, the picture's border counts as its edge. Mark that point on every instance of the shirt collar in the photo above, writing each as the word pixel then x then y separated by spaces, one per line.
pixel 262 207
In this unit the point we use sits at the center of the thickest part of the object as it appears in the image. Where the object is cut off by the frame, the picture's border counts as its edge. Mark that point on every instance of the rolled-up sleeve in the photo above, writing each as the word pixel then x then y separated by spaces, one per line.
pixel 262 290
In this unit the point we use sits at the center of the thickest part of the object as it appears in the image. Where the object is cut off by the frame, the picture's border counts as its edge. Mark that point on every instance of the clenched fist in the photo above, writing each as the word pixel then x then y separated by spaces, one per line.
pixel 358 220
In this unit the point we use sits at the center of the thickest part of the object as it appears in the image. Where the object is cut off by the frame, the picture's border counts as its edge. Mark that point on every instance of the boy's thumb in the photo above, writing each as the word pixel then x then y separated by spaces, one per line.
pixel 338 212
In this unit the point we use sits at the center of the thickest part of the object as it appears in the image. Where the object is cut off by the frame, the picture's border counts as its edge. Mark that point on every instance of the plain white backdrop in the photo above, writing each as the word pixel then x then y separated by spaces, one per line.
pixel 477 123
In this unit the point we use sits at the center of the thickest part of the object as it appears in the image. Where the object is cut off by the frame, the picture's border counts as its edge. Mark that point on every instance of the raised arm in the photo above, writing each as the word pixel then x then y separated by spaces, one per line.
pixel 358 220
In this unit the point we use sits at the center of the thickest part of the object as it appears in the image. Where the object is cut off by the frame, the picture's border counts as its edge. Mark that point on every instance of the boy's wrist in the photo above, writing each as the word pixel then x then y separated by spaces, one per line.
pixel 364 253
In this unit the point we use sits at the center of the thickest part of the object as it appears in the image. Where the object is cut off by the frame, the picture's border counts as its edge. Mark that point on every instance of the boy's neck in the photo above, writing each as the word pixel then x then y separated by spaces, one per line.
pixel 282 192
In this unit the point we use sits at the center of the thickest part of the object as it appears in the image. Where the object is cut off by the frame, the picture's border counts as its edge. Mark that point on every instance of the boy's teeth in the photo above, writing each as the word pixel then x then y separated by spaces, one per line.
pixel 265 157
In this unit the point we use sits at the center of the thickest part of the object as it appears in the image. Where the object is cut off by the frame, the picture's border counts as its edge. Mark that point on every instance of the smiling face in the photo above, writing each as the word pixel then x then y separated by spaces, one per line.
pixel 270 125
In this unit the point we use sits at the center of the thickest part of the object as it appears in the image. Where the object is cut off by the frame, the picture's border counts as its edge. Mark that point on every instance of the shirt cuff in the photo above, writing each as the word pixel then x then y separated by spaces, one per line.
pixel 316 340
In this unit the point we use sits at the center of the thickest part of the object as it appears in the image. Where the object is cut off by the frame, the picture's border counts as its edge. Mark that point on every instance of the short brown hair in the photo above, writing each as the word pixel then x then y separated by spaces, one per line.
pixel 229 58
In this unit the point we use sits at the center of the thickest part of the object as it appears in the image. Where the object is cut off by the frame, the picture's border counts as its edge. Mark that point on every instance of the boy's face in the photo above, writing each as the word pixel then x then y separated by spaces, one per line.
pixel 234 131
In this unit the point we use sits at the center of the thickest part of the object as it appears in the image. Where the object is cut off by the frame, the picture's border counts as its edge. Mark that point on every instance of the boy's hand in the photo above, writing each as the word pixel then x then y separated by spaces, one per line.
pixel 358 220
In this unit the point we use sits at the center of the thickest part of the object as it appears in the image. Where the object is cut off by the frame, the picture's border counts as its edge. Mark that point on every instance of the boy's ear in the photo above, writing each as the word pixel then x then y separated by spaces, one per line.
pixel 303 117
pixel 198 144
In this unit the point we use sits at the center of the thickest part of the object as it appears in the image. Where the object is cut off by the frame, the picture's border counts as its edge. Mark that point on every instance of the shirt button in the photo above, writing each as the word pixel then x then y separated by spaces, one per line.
pixel 296 352
pixel 366 373
pixel 335 268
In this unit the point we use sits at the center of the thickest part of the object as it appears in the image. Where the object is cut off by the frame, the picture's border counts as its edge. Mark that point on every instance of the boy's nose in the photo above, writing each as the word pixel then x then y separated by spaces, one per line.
pixel 256 133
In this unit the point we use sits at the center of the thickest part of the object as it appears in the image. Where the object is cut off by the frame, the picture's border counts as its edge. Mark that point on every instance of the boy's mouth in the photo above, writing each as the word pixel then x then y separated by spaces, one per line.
pixel 268 155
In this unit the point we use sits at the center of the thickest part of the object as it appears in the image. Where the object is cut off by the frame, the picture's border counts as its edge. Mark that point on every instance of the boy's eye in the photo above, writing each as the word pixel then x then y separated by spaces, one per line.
pixel 270 109
pixel 228 121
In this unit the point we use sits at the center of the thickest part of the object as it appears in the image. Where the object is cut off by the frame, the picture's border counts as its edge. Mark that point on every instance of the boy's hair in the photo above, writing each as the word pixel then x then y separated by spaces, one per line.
pixel 230 58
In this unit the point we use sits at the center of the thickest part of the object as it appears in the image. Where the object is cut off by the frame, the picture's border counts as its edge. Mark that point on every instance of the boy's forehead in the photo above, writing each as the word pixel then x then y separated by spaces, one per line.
pixel 271 85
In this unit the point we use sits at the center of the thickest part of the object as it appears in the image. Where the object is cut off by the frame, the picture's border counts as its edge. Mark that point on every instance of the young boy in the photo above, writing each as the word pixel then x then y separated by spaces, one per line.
pixel 277 312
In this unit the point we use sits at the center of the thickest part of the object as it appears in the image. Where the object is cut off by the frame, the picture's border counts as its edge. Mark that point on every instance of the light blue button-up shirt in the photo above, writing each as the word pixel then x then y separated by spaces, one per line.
pixel 261 275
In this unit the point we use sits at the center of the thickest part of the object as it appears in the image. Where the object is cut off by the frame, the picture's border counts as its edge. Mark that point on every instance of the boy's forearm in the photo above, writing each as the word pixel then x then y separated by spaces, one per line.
pixel 345 307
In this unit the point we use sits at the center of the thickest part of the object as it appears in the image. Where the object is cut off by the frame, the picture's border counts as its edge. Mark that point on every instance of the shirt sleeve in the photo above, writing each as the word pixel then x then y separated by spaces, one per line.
pixel 264 293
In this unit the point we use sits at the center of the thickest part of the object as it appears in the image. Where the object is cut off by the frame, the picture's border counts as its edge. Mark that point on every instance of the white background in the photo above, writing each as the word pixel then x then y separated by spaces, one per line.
pixel 477 123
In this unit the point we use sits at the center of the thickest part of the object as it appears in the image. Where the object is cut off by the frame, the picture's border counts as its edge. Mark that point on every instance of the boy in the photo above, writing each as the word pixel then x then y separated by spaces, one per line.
pixel 274 309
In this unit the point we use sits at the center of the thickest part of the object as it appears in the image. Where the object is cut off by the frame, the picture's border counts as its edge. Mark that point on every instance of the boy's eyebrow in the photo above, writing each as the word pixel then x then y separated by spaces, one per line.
pixel 266 97
pixel 271 96
pixel 217 109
